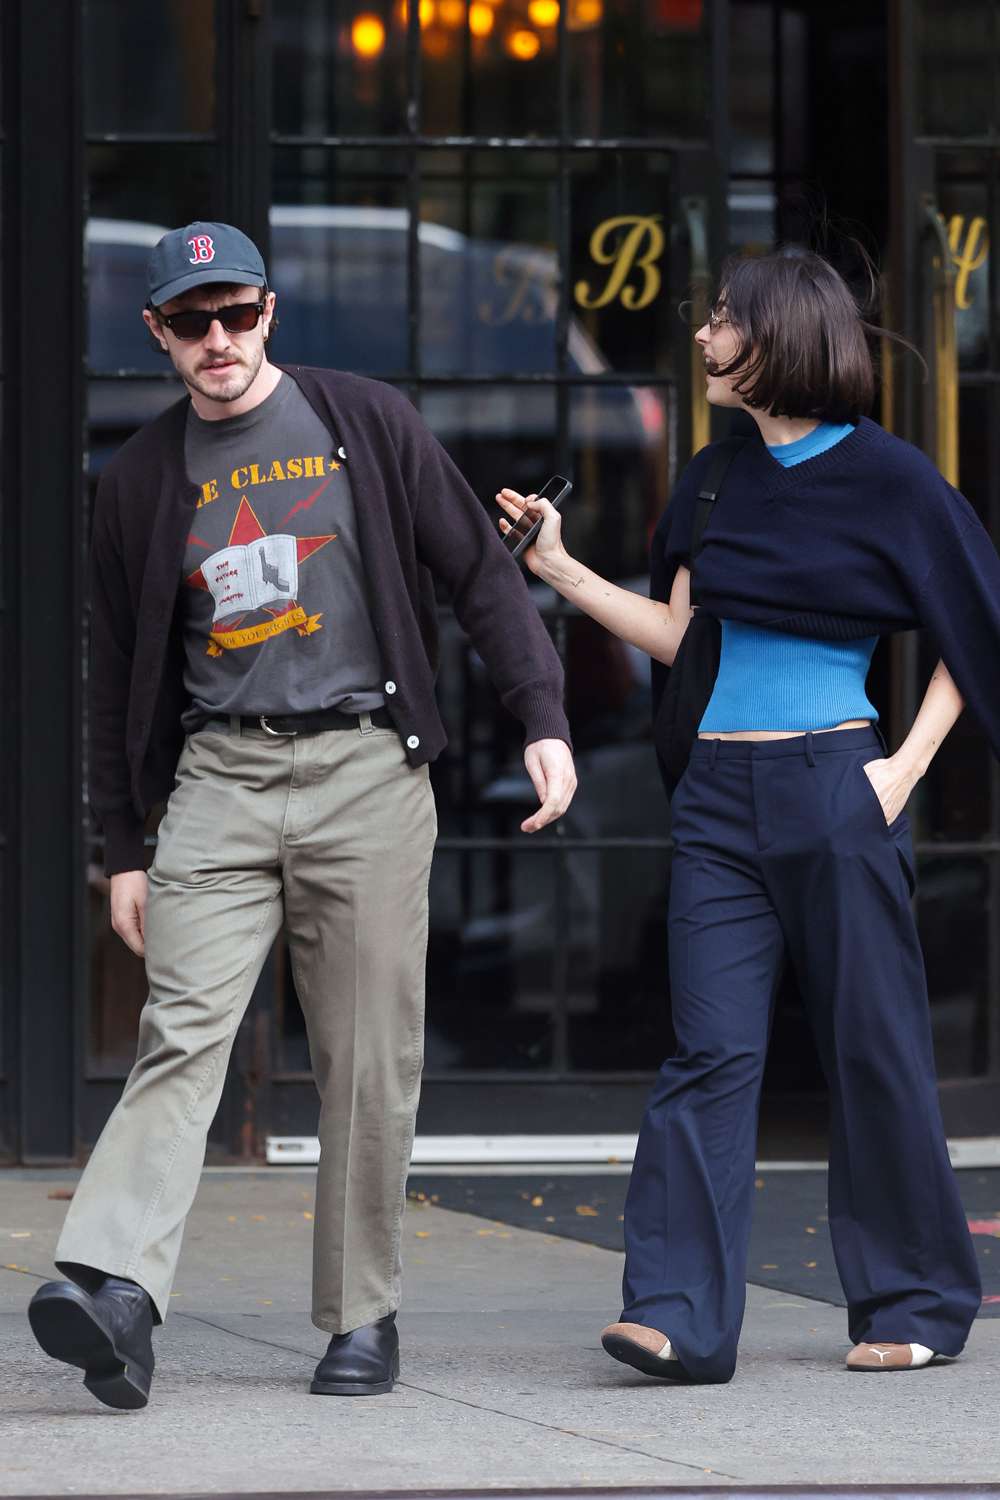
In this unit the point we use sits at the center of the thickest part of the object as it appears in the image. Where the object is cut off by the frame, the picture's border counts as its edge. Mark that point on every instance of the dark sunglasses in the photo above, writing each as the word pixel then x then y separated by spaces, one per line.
pixel 194 323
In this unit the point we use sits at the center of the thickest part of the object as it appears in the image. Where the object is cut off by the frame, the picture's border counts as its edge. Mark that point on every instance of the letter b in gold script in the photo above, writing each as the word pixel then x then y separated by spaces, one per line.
pixel 639 246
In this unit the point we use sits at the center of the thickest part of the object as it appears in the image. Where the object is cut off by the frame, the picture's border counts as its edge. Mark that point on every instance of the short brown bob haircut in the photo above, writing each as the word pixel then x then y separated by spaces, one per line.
pixel 803 348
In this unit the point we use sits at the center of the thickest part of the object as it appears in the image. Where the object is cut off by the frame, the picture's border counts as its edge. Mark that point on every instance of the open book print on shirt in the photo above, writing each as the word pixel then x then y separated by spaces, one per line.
pixel 245 577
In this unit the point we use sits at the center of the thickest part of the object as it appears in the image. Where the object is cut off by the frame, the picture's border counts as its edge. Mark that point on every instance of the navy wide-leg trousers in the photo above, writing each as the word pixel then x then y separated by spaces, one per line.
pixel 783 854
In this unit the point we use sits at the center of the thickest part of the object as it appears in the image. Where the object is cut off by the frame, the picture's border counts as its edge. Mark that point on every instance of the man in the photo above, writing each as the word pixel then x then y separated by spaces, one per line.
pixel 264 652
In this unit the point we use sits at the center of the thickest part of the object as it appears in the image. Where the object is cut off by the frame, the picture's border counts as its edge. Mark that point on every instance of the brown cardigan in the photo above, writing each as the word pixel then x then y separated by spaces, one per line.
pixel 417 521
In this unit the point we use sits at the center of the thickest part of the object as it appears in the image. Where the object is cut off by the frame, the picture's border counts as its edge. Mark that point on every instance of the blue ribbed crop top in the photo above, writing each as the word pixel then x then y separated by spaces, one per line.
pixel 770 680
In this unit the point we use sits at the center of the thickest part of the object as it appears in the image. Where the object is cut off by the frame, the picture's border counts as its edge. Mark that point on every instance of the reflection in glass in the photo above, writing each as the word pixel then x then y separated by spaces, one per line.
pixel 619 996
pixel 663 87
pixel 496 435
pixel 135 194
pixel 489 68
pixel 957 46
pixel 489 963
pixel 953 914
pixel 490 991
pixel 167 185
pixel 489 280
pixel 954 796
pixel 117 408
pixel 753 210
pixel 751 87
pixel 339 237
pixel 339 69
pixel 116 254
pixel 621 447
pixel 149 69
pixel 608 703
pixel 117 990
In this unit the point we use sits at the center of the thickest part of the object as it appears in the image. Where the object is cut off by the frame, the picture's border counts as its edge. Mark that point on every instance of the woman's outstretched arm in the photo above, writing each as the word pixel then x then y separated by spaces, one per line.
pixel 654 627
pixel 895 777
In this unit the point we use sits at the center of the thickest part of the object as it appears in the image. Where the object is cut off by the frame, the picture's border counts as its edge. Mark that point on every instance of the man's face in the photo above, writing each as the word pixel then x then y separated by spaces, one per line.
pixel 221 366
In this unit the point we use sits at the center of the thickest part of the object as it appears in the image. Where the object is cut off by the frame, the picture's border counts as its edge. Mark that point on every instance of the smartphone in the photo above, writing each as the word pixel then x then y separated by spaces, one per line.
pixel 524 531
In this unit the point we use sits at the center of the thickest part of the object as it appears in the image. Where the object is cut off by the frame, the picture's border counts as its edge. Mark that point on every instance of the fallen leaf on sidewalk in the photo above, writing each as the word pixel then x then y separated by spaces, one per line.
pixel 585 1211
pixel 537 1201
pixel 21 1234
pixel 423 1234
pixel 61 1195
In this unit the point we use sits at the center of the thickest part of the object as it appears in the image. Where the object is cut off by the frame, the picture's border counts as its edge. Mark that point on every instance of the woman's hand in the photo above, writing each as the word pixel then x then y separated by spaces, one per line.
pixel 547 548
pixel 892 779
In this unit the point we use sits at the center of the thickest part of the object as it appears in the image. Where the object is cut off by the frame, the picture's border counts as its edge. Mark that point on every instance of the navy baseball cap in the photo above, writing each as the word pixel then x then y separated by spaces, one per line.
pixel 201 253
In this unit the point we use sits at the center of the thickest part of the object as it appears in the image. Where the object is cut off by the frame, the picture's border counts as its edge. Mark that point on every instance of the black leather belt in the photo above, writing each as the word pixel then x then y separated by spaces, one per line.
pixel 312 723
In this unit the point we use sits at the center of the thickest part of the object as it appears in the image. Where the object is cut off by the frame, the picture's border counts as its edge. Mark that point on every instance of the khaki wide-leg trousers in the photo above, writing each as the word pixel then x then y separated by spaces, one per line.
pixel 331 835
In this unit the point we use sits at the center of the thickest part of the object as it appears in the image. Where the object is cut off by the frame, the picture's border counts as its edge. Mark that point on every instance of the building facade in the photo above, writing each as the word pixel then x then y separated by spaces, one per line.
pixel 499 206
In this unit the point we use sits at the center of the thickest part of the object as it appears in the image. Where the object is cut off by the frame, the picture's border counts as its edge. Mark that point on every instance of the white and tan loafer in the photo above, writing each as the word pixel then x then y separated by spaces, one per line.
pixel 645 1349
pixel 889 1357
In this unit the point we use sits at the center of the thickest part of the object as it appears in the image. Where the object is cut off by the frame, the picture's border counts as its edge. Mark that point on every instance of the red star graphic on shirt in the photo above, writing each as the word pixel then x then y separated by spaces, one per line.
pixel 247 528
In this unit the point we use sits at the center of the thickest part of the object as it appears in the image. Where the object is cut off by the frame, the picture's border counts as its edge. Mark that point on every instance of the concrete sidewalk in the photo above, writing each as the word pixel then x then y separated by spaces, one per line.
pixel 504 1383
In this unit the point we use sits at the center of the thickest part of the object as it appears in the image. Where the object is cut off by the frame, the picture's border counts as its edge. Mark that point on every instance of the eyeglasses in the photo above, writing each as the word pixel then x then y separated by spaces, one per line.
pixel 691 313
pixel 194 323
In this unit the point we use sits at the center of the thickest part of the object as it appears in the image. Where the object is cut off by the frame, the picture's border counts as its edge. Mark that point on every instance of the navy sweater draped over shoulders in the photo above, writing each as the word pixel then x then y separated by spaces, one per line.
pixel 866 538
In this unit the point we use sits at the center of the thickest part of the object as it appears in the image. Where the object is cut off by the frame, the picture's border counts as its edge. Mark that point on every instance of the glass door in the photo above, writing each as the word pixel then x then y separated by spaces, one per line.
pixel 946 217
pixel 499 205
pixel 496 205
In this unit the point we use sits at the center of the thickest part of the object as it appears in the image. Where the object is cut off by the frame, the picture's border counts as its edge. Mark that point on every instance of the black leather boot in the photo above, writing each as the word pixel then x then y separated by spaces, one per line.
pixel 364 1362
pixel 107 1334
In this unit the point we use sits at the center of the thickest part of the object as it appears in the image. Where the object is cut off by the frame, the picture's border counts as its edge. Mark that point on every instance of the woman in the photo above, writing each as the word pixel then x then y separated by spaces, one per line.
pixel 791 844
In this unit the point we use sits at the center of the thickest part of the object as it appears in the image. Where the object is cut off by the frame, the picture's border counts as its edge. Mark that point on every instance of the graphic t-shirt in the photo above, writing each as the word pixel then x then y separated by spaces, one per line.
pixel 274 595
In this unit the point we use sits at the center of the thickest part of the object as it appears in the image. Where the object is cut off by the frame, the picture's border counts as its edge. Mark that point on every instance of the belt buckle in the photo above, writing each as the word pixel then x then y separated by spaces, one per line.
pixel 277 733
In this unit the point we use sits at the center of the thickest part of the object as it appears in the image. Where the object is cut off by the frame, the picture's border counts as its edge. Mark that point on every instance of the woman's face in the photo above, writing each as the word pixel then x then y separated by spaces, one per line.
pixel 719 343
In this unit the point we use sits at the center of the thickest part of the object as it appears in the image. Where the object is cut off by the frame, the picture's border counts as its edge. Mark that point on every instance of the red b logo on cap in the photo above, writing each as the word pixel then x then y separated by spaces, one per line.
pixel 204 249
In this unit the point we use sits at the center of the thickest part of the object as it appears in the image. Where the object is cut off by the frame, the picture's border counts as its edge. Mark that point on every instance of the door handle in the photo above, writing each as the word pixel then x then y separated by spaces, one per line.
pixel 943 424
pixel 695 211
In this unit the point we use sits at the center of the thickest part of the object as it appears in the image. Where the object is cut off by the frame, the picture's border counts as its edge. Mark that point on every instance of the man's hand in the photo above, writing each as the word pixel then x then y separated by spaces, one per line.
pixel 128 908
pixel 549 763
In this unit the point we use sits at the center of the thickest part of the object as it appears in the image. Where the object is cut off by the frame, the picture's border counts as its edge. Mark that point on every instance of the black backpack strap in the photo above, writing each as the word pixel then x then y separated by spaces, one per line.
pixel 715 473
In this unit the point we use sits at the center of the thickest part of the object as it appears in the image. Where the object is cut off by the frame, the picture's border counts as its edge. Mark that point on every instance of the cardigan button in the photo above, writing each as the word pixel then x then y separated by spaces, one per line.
pixel 413 743
pixel 390 687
